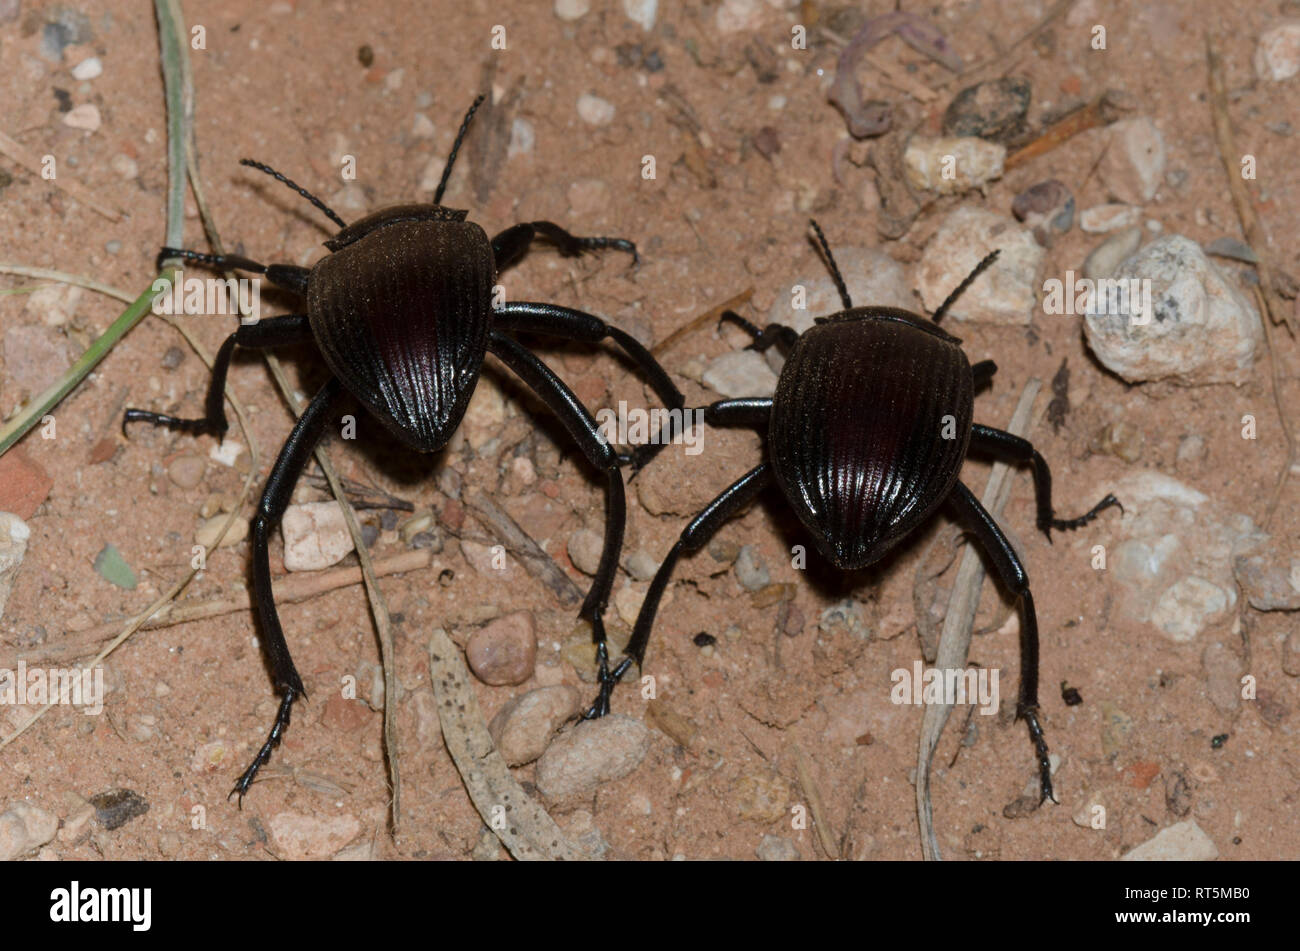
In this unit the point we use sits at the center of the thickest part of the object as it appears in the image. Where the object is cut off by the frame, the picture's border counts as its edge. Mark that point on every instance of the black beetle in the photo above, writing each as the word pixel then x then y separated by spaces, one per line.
pixel 402 313
pixel 866 434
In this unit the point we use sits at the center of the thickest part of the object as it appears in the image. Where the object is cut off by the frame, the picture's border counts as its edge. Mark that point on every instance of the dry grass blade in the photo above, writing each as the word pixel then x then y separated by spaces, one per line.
pixel 523 826
pixel 957 625
pixel 708 317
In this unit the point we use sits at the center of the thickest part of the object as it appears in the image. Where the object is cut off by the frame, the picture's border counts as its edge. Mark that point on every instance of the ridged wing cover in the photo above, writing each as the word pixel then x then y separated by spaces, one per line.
pixel 856 433
pixel 402 318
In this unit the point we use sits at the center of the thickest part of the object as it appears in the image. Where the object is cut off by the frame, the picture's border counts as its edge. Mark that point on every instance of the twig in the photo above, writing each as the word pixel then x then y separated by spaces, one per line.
pixel 1251 227
pixel 1285 471
pixel 289 589
pixel 531 555
pixel 706 318
pixel 1100 112
pixel 523 826
pixel 957 625
pixel 21 156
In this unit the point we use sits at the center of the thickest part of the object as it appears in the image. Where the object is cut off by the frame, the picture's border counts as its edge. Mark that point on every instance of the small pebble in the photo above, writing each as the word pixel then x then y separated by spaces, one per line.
pixel 1134 162
pixel 761 795
pixel 1233 249
pixel 206 533
pixel 641 565
pixel 504 651
pixel 298 836
pixel 187 471
pixel 572 9
pixel 117 807
pixel 751 572
pixel 1291 654
pixel 1269 576
pixel 993 110
pixel 580 760
pixel 1047 208
pixel 315 536
pixel 739 16
pixel 90 68
pixel 642 12
pixel 523 728
pixel 1277 56
pixel 1100 219
pixel 422 126
pixel 594 110
pixel 523 137
pixel 584 548
pixel 85 116
pixel 775 848
pixel 1121 439
pixel 951 166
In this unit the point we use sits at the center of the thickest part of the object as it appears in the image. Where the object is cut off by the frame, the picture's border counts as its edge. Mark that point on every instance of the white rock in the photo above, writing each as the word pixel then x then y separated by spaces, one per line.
pixel 14 534
pixel 572 9
pixel 642 12
pixel 1277 56
pixel 1181 842
pixel 595 111
pixel 315 536
pixel 206 533
pixel 1005 293
pixel 226 452
pixel 24 828
pixel 740 373
pixel 422 126
pixel 735 16
pixel 1134 164
pixel 1171 555
pixel 90 68
pixel 952 165
pixel 1102 218
pixel 584 548
pixel 125 166
pixel 1106 257
pixel 55 303
pixel 84 116
pixel 1202 330
pixel 523 138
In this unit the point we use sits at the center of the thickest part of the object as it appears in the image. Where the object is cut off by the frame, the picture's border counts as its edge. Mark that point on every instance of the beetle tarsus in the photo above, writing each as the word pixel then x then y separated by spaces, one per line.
pixel 1030 715
pixel 282 718
pixel 1069 524
pixel 196 427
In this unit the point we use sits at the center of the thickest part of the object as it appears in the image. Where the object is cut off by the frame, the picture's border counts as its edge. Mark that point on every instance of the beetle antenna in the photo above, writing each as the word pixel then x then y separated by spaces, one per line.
pixel 329 212
pixel 970 279
pixel 455 147
pixel 835 269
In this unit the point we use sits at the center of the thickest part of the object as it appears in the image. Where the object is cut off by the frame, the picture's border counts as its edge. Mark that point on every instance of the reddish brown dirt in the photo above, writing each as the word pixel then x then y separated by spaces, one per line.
pixel 281 84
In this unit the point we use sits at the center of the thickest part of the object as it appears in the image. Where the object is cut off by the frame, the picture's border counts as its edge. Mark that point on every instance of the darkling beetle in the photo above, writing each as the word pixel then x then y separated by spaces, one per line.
pixel 855 441
pixel 402 313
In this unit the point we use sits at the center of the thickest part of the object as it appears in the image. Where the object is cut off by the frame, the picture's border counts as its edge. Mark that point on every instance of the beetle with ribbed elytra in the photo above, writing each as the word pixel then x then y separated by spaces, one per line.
pixel 402 312
pixel 866 433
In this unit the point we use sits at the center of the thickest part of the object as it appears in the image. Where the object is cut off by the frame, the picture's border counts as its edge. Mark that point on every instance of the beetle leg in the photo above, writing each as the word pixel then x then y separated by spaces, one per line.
pixel 694 537
pixel 556 321
pixel 1012 448
pixel 271 332
pixel 511 244
pixel 1009 568
pixel 752 412
pixel 289 276
pixel 284 475
pixel 555 394
pixel 764 338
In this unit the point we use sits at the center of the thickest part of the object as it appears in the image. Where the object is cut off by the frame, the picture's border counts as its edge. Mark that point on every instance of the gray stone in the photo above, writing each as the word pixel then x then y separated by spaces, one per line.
pixel 1171 555
pixel 751 572
pixel 593 753
pixel 740 373
pixel 24 828
pixel 1270 576
pixel 1200 329
pixel 1005 293
pixel 1181 842
pixel 775 848
pixel 1134 162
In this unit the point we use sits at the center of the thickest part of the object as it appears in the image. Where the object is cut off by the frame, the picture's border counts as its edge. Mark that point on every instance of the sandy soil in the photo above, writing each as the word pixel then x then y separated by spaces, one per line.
pixel 284 85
